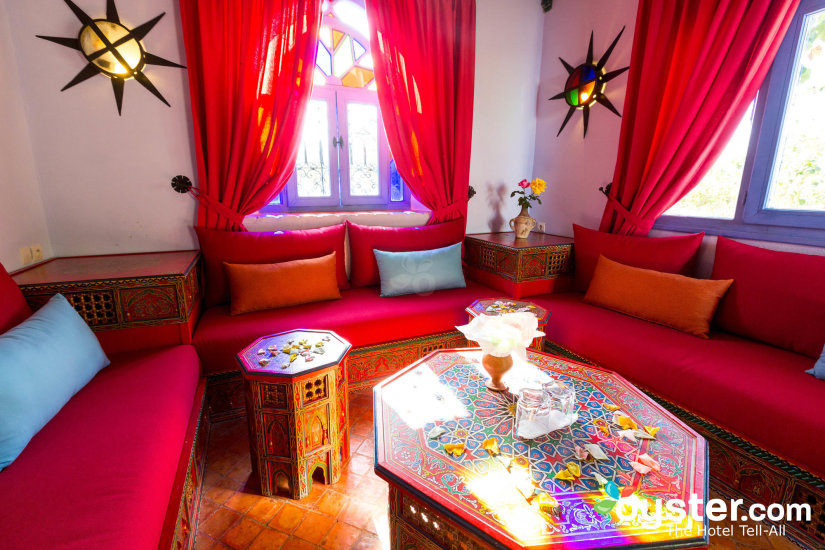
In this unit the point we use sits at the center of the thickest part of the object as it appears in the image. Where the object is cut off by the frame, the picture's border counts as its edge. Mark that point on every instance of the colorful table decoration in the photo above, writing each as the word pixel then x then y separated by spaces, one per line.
pixel 296 406
pixel 461 478
pixel 501 306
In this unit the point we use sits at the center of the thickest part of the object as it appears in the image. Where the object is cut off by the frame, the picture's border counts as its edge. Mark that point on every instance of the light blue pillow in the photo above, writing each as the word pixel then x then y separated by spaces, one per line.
pixel 819 367
pixel 44 361
pixel 421 271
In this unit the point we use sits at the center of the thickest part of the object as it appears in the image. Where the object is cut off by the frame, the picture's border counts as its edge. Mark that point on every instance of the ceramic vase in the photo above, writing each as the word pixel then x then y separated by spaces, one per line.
pixel 496 367
pixel 523 223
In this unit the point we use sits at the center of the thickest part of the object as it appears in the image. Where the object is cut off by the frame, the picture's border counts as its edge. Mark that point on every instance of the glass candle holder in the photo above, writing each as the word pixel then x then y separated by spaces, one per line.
pixel 532 414
pixel 559 400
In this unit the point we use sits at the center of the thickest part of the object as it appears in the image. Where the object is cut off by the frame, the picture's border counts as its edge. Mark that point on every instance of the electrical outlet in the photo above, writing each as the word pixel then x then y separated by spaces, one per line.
pixel 542 226
pixel 26 255
pixel 37 252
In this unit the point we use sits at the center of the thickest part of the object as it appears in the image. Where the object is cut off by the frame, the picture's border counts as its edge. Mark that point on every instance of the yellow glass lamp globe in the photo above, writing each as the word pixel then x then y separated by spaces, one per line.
pixel 131 51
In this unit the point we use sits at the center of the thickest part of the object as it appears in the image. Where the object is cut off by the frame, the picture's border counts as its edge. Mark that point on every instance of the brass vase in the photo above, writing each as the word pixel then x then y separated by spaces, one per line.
pixel 523 223
pixel 496 367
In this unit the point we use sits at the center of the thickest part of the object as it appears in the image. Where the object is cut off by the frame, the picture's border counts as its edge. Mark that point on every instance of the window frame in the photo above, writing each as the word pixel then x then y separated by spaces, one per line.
pixel 341 200
pixel 752 219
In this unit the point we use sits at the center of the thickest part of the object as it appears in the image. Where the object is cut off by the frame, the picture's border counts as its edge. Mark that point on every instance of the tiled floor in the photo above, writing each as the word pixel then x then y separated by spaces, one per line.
pixel 351 514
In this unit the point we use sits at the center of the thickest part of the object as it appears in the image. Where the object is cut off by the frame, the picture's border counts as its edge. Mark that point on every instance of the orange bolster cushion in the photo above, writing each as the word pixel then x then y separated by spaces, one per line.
pixel 669 299
pixel 254 287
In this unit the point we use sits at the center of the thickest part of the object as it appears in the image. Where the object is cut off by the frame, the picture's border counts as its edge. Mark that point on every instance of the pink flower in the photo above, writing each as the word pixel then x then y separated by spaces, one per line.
pixel 524 184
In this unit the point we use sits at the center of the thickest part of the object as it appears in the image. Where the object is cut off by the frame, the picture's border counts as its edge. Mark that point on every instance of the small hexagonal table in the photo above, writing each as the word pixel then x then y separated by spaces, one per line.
pixel 500 306
pixel 296 405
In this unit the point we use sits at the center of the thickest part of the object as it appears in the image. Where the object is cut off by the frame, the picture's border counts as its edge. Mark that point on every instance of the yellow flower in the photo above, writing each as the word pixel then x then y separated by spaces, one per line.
pixel 537 186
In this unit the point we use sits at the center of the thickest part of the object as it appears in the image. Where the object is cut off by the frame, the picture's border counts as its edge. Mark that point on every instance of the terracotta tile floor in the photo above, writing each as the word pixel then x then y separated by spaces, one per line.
pixel 351 514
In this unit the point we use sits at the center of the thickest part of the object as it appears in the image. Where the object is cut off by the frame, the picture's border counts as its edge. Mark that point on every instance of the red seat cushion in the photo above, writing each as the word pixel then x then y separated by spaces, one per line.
pixel 759 392
pixel 265 248
pixel 776 297
pixel 100 473
pixel 363 239
pixel 13 307
pixel 668 254
pixel 361 316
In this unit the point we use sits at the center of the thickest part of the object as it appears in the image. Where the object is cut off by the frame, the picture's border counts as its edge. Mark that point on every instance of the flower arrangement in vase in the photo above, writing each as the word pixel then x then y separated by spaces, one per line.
pixel 500 338
pixel 529 191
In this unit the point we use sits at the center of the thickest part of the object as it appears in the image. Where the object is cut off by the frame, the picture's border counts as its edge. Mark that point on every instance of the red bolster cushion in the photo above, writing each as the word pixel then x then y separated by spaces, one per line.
pixel 248 247
pixel 666 254
pixel 363 239
pixel 13 307
pixel 777 297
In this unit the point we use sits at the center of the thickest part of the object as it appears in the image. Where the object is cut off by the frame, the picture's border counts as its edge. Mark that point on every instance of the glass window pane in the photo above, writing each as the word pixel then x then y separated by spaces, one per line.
pixel 323 60
pixel 716 195
pixel 396 184
pixel 342 58
pixel 798 181
pixel 312 165
pixel 362 131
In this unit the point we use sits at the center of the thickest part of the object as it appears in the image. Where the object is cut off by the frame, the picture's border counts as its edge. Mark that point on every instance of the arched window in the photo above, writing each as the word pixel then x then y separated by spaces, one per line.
pixel 344 161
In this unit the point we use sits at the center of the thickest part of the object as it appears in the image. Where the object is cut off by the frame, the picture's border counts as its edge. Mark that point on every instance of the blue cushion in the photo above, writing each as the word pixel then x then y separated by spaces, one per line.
pixel 44 361
pixel 819 367
pixel 420 271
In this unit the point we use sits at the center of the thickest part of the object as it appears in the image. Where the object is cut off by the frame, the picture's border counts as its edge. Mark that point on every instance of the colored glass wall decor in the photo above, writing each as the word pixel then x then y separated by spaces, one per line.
pixel 585 84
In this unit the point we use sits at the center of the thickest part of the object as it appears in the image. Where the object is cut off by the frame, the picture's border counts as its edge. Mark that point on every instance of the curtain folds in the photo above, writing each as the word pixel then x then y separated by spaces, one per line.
pixel 250 77
pixel 695 67
pixel 424 55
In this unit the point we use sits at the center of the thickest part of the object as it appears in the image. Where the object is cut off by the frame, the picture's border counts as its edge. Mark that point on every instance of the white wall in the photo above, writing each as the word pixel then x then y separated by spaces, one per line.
pixel 508 56
pixel 104 179
pixel 22 220
pixel 573 166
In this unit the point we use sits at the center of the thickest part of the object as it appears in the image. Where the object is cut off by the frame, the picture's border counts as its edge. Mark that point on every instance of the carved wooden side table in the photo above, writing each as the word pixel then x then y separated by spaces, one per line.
pixel 500 306
pixel 539 264
pixel 296 405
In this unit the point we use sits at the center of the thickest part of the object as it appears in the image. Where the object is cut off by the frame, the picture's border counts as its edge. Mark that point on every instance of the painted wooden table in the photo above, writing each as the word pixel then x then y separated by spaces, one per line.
pixel 539 264
pixel 500 306
pixel 125 298
pixel 531 493
pixel 296 406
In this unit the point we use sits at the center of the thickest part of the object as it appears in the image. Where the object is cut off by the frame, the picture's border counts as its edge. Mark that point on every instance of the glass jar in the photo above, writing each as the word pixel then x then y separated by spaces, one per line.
pixel 559 399
pixel 531 414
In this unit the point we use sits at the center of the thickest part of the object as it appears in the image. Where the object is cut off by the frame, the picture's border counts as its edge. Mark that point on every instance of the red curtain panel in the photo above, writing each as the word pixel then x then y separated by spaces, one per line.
pixel 424 54
pixel 250 78
pixel 694 69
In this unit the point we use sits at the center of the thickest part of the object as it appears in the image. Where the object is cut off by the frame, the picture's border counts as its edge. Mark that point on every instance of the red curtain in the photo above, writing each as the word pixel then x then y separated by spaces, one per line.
pixel 424 55
pixel 250 77
pixel 694 69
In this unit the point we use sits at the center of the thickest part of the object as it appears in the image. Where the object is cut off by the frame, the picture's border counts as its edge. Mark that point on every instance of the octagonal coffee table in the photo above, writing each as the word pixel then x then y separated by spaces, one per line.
pixel 459 479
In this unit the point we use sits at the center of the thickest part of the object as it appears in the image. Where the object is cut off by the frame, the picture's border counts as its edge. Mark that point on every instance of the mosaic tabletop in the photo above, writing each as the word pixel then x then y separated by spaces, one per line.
pixel 603 482
pixel 500 306
pixel 292 353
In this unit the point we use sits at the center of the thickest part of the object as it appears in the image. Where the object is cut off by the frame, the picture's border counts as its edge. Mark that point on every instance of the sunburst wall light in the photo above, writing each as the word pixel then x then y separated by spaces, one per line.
pixel 585 84
pixel 114 50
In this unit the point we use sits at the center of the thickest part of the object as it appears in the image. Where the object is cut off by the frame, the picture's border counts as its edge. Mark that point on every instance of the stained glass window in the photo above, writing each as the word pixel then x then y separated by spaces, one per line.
pixel 344 157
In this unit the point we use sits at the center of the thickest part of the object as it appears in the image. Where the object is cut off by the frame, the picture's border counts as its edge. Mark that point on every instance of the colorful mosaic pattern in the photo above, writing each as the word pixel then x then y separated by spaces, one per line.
pixel 447 389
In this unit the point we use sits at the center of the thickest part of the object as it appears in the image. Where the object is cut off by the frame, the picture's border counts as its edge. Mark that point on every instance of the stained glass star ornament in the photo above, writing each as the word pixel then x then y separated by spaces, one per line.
pixel 585 84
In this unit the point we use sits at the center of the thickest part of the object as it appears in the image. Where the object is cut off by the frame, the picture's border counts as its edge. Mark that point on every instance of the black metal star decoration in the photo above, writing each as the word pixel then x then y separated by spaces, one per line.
pixel 114 50
pixel 585 84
